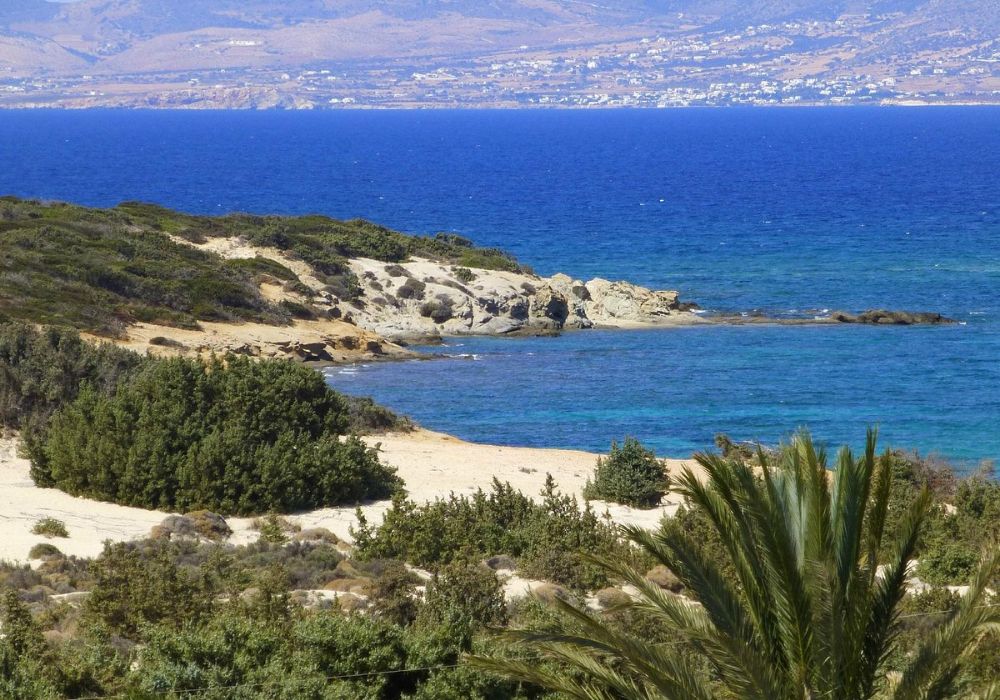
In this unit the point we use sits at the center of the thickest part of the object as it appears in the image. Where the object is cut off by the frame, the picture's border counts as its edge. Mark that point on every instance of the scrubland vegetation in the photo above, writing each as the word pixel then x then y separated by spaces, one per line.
pixel 232 435
pixel 809 605
pixel 101 269
pixel 784 561
pixel 301 615
pixel 548 539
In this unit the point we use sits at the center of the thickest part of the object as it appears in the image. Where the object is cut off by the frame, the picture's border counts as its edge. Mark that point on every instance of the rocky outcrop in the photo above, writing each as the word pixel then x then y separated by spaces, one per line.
pixel 422 298
pixel 614 303
pixel 322 341
pixel 892 318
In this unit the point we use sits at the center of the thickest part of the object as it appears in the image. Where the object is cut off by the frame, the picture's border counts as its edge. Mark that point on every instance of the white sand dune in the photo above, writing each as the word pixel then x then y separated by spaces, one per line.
pixel 432 465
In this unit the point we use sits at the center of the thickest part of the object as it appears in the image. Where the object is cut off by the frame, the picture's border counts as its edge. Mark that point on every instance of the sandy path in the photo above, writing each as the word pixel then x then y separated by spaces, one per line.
pixel 432 465
pixel 89 523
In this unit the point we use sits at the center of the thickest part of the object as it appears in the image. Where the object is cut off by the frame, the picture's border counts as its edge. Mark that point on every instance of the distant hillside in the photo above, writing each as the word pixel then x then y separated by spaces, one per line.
pixel 261 53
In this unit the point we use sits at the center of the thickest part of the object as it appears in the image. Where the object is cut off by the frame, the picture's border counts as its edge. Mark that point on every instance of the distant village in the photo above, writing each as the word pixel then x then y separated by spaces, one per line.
pixel 792 63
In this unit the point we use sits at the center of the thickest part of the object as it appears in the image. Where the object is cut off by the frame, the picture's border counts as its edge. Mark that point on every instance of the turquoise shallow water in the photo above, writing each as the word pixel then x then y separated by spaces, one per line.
pixel 782 210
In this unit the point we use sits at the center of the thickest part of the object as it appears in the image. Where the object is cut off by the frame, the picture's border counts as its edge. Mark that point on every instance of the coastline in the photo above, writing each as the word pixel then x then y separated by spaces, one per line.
pixel 423 302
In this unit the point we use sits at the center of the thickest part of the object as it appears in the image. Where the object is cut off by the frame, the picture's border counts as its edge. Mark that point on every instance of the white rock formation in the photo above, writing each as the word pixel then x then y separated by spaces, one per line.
pixel 423 298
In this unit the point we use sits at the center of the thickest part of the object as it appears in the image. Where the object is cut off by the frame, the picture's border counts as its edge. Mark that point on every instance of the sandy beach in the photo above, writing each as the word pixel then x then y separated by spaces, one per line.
pixel 432 465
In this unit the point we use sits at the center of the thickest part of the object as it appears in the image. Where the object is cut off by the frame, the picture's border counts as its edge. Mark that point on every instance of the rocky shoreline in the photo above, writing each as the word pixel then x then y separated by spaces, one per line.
pixel 422 301
pixel 426 300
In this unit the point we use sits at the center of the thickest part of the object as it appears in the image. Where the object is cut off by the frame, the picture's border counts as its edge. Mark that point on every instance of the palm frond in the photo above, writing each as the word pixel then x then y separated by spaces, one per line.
pixel 928 675
pixel 810 614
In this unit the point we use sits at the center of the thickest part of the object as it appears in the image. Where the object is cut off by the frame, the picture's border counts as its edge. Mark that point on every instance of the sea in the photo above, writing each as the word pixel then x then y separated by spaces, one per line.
pixel 784 211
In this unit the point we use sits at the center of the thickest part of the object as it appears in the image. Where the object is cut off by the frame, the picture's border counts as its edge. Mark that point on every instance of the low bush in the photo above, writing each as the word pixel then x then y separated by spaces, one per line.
pixel 966 516
pixel 263 268
pixel 366 417
pixel 43 550
pixel 438 310
pixel 234 437
pixel 50 527
pixel 411 289
pixel 392 593
pixel 297 310
pixel 630 474
pixel 463 274
pixel 464 594
pixel 211 526
pixel 197 524
pixel 274 529
pixel 612 598
pixel 546 538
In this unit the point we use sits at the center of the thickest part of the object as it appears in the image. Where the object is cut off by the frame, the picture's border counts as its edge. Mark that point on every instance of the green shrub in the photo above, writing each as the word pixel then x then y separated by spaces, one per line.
pixel 50 527
pixel 43 550
pixel 262 268
pixel 137 584
pixel 101 269
pixel 464 594
pixel 630 474
pixel 366 417
pixel 40 370
pixel 412 288
pixel 547 538
pixel 274 529
pixel 25 668
pixel 234 437
pixel 92 269
pixel 297 310
pixel 693 522
pixel 393 593
pixel 954 537
pixel 464 274
pixel 438 310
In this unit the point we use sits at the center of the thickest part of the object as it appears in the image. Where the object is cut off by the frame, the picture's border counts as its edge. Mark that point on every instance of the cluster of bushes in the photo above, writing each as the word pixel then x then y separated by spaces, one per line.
pixel 953 540
pixel 438 310
pixel 630 474
pixel 182 617
pixel 172 619
pixel 237 436
pixel 547 538
pixel 325 243
pixel 92 270
pixel 367 417
pixel 966 514
pixel 101 269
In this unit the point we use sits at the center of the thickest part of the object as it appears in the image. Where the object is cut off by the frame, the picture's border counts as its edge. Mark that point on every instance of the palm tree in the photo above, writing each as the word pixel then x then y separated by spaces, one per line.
pixel 812 612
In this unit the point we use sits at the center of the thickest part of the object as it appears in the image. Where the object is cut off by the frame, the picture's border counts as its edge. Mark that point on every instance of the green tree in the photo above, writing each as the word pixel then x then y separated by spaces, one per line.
pixel 812 613
pixel 631 474
pixel 464 595
pixel 136 584
pixel 24 670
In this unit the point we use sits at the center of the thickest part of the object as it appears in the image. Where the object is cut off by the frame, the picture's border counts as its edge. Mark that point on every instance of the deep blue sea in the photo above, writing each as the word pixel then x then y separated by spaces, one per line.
pixel 781 210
